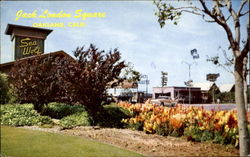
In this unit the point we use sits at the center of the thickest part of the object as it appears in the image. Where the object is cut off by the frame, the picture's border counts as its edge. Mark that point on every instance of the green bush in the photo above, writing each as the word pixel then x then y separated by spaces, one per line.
pixel 163 129
pixel 21 115
pixel 4 89
pixel 218 138
pixel 207 136
pixel 7 92
pixel 112 116
pixel 77 119
pixel 60 110
pixel 136 126
pixel 193 132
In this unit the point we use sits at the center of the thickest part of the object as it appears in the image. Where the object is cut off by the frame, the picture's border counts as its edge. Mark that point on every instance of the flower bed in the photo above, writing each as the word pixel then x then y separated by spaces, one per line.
pixel 196 123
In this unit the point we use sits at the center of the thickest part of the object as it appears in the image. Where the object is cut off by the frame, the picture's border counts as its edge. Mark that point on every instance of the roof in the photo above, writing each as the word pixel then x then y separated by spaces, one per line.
pixel 176 87
pixel 124 84
pixel 8 65
pixel 10 27
pixel 226 87
pixel 205 86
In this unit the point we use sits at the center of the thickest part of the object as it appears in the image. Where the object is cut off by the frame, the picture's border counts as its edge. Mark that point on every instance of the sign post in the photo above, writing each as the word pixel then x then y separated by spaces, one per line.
pixel 212 78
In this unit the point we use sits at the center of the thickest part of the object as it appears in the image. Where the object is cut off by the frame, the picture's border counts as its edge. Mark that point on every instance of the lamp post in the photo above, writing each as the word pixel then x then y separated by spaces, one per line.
pixel 195 55
pixel 146 82
pixel 189 82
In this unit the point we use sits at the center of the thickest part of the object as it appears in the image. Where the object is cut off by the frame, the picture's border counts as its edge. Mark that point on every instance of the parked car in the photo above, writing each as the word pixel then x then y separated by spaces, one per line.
pixel 164 101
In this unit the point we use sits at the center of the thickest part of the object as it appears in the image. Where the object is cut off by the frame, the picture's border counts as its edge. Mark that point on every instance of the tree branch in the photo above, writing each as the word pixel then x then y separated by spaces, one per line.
pixel 245 50
pixel 244 13
pixel 228 18
pixel 241 7
pixel 236 23
pixel 192 12
pixel 195 8
pixel 210 21
pixel 223 24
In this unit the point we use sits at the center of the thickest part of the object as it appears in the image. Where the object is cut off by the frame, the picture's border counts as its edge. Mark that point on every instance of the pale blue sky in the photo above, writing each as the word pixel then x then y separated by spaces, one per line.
pixel 131 27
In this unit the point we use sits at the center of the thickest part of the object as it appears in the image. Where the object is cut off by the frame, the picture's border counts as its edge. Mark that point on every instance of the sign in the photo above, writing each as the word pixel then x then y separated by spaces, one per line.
pixel 212 77
pixel 164 79
pixel 189 83
pixel 28 41
pixel 26 46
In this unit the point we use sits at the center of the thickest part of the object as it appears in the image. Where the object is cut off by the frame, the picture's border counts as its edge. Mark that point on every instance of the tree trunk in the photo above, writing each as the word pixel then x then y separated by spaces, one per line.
pixel 245 60
pixel 240 105
pixel 245 94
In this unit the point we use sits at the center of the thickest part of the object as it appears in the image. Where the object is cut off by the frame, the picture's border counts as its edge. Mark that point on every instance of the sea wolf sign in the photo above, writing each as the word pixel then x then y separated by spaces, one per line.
pixel 28 41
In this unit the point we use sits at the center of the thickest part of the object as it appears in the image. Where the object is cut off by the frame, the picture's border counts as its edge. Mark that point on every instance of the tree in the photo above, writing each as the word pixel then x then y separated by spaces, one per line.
pixel 35 80
pixel 130 74
pixel 217 13
pixel 85 80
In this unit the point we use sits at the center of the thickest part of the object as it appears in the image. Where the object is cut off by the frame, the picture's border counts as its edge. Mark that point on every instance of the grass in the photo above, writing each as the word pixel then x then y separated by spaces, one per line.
pixel 19 142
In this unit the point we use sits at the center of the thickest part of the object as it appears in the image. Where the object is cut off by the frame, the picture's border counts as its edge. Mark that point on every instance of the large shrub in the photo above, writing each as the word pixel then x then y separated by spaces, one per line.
pixel 112 116
pixel 46 79
pixel 4 89
pixel 60 110
pixel 85 80
pixel 21 115
pixel 77 119
pixel 36 80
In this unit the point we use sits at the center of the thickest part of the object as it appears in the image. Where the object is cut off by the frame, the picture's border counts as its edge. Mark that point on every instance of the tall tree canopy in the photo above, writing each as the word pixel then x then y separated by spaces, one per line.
pixel 85 80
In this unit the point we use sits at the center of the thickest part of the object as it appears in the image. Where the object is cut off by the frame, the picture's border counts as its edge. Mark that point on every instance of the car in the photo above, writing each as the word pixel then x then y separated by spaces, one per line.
pixel 164 101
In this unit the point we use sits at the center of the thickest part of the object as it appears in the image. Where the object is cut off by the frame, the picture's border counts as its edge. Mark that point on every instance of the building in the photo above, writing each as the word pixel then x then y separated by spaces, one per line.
pixel 127 91
pixel 226 88
pixel 207 88
pixel 6 67
pixel 179 93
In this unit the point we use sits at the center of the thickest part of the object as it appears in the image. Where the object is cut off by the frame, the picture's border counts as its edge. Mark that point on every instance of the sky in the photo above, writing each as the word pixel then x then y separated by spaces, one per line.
pixel 132 27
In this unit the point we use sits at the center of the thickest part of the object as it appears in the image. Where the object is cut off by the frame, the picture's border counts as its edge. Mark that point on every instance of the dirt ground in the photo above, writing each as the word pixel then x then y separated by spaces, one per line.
pixel 146 144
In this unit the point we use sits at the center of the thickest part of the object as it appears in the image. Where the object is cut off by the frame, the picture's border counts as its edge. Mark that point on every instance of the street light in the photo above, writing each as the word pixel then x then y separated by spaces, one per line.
pixel 146 82
pixel 189 82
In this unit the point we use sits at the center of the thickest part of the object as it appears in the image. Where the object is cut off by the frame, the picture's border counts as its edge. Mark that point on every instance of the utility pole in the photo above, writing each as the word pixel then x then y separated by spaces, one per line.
pixel 146 81
pixel 189 82
pixel 164 80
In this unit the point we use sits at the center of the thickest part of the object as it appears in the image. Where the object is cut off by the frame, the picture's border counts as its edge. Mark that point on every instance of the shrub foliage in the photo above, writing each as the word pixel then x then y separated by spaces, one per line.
pixel 85 81
pixel 77 119
pixel 21 115
pixel 4 89
pixel 36 81
pixel 43 79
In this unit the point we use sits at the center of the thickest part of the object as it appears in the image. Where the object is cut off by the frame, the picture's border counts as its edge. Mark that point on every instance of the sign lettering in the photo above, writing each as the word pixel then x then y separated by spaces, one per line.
pixel 29 47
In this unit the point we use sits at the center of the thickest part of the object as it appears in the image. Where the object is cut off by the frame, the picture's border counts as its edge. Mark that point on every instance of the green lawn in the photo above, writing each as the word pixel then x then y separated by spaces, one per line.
pixel 18 142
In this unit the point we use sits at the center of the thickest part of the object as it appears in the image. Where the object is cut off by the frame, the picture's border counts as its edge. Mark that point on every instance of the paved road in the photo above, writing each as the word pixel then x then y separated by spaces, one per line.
pixel 216 107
